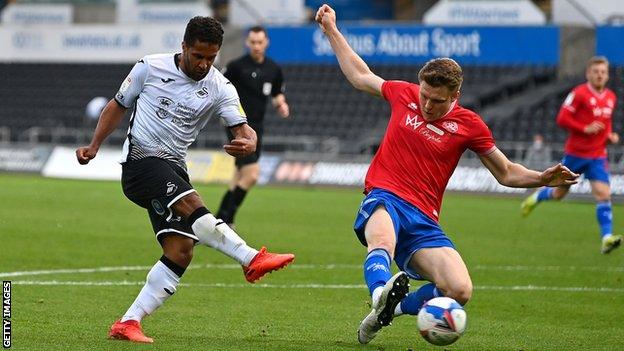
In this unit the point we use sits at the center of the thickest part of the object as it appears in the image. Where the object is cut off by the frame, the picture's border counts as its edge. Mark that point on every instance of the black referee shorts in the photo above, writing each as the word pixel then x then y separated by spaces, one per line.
pixel 156 184
pixel 253 158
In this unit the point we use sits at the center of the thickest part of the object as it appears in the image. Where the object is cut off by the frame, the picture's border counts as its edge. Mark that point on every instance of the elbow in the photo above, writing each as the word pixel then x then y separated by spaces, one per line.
pixel 357 83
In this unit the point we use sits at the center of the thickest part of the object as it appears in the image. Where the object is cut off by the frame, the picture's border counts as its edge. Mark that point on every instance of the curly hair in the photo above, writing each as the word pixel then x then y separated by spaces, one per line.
pixel 442 72
pixel 205 29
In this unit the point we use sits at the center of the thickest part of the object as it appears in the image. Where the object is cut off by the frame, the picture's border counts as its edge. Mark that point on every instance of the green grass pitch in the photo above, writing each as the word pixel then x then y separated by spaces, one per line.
pixel 540 283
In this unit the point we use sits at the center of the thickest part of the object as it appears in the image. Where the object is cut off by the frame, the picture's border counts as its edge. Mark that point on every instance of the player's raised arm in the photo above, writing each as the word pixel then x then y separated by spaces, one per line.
pixel 352 65
pixel 111 116
pixel 516 175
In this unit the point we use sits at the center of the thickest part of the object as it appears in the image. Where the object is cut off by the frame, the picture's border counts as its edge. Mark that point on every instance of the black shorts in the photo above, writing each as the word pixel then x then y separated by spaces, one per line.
pixel 156 184
pixel 253 158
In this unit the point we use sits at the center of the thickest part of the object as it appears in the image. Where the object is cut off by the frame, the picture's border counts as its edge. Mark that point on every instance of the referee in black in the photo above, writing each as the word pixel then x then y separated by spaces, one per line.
pixel 256 77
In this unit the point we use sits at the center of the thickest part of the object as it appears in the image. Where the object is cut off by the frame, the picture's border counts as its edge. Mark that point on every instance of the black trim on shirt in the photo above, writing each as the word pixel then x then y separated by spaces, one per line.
pixel 120 104
pixel 237 125
pixel 176 60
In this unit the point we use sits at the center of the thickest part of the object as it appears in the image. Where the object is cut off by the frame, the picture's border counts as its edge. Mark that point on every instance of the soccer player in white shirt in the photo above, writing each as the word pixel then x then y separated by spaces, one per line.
pixel 174 96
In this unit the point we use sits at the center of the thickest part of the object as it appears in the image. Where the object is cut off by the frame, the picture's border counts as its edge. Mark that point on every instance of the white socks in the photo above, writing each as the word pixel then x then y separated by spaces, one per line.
pixel 216 234
pixel 160 285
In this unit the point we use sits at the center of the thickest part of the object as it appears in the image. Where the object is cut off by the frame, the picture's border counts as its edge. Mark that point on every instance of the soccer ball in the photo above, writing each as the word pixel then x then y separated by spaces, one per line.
pixel 441 321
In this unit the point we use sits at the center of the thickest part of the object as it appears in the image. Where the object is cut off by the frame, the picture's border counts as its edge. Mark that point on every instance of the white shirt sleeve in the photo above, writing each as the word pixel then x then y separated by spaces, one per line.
pixel 132 86
pixel 229 108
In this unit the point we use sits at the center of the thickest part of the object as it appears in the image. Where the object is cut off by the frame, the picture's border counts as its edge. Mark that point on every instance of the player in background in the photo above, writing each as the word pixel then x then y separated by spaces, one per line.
pixel 174 96
pixel 586 114
pixel 256 77
pixel 427 133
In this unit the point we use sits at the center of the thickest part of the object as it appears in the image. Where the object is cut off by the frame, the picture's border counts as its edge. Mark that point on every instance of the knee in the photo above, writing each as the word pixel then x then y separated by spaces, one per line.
pixel 387 245
pixel 559 193
pixel 461 292
pixel 250 179
pixel 182 255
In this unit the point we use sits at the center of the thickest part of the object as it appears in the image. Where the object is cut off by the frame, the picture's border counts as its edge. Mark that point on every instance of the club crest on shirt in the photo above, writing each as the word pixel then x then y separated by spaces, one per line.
pixel 451 126
pixel 164 103
pixel 202 93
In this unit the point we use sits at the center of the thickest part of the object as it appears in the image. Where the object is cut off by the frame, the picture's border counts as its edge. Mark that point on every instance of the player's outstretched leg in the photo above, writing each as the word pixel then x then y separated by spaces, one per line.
pixel 382 313
pixel 531 202
pixel 610 242
pixel 215 233
pixel 413 302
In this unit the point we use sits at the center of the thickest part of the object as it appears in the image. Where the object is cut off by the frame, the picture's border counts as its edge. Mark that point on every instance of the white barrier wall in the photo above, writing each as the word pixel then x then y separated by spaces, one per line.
pixel 87 43
pixel 215 166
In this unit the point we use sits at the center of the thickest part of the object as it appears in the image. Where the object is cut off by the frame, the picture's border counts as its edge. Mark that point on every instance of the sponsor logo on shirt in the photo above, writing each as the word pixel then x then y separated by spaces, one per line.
pixel 167 80
pixel 171 188
pixel 435 129
pixel 412 121
pixel 125 85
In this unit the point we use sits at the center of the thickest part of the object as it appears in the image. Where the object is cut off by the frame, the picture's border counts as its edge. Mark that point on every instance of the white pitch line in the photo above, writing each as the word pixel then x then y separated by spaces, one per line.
pixel 301 266
pixel 313 286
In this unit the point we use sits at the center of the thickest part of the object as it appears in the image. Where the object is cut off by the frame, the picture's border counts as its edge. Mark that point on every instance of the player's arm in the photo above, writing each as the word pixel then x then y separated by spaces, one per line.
pixel 352 65
pixel 231 112
pixel 111 116
pixel 114 111
pixel 614 138
pixel 516 175
pixel 244 142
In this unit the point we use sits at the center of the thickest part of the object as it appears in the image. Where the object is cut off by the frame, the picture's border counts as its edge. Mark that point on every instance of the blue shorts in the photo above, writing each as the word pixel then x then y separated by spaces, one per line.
pixel 412 228
pixel 592 168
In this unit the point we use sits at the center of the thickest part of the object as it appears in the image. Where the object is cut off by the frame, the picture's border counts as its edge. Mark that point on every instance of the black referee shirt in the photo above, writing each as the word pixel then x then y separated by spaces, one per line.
pixel 255 82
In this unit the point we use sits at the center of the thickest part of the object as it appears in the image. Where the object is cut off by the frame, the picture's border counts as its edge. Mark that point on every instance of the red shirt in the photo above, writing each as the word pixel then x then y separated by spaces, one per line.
pixel 583 106
pixel 416 158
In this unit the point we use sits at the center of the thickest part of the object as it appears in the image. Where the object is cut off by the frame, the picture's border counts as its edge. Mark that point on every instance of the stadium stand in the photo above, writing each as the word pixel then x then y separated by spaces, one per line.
pixel 323 105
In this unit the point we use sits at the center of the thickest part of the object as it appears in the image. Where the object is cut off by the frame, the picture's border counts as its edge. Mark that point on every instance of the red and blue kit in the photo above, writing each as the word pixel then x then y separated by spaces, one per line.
pixel 583 106
pixel 416 158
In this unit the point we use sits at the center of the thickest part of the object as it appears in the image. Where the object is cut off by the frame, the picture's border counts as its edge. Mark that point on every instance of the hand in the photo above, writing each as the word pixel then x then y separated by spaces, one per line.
pixel 240 147
pixel 283 110
pixel 326 18
pixel 594 127
pixel 85 154
pixel 614 138
pixel 558 175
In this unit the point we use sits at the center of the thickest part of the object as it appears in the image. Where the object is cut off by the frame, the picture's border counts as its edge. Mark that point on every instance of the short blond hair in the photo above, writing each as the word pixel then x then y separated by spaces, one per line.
pixel 442 72
pixel 597 60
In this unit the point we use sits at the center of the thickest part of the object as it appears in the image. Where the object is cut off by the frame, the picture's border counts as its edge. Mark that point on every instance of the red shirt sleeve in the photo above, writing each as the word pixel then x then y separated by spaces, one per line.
pixel 481 141
pixel 391 89
pixel 570 106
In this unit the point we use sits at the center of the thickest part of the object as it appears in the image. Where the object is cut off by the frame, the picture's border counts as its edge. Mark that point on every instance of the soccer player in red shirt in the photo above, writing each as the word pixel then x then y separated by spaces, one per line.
pixel 586 115
pixel 427 133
